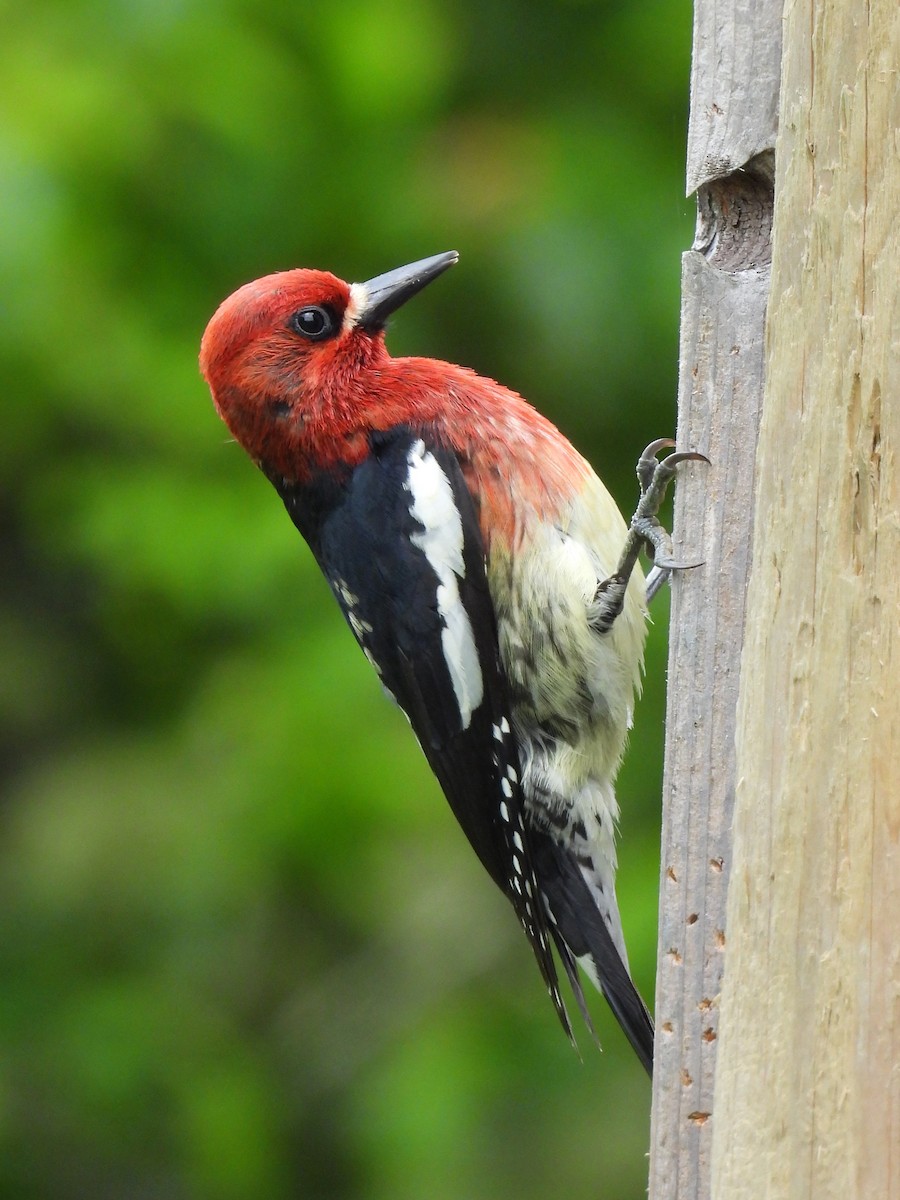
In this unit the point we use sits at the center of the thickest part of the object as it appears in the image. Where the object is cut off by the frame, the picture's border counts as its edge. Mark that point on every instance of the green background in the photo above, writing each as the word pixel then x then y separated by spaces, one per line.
pixel 244 950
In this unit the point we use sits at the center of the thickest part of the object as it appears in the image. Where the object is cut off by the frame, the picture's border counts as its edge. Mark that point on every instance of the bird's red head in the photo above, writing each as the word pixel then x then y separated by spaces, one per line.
pixel 288 353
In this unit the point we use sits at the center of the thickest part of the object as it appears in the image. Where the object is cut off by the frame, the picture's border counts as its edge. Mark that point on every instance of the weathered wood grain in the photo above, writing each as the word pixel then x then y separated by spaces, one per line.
pixel 808 1083
pixel 734 86
pixel 725 288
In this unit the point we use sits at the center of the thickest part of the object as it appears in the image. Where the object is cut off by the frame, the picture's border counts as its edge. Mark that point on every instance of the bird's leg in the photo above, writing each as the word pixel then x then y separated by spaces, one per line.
pixel 644 530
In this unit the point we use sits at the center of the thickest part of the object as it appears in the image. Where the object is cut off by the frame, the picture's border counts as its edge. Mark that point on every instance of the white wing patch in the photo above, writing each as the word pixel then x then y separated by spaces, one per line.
pixel 441 541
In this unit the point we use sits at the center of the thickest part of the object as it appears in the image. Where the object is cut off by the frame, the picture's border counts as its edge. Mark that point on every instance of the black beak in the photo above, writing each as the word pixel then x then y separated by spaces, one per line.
pixel 379 297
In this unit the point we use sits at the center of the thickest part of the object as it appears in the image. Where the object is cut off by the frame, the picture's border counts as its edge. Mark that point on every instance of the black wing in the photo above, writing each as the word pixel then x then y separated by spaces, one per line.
pixel 399 542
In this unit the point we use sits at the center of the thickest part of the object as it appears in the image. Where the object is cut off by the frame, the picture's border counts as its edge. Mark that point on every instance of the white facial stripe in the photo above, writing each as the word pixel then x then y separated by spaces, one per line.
pixel 357 302
pixel 441 541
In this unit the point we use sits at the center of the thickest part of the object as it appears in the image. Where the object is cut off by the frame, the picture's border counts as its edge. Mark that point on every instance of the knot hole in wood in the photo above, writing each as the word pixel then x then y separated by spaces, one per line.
pixel 734 216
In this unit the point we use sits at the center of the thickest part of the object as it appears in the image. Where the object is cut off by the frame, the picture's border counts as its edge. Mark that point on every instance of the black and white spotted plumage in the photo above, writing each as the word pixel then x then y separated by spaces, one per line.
pixel 398 539
pixel 372 548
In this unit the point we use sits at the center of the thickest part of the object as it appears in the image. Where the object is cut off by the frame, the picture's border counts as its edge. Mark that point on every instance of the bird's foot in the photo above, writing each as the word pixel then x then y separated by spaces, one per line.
pixel 645 530
pixel 654 477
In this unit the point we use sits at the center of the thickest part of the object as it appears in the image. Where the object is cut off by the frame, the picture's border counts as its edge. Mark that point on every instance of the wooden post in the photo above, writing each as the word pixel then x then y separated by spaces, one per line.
pixel 808 1083
pixel 734 97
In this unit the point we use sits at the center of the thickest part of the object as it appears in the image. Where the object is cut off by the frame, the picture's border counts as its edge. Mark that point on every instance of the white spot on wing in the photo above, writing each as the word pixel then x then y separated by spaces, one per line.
pixel 441 540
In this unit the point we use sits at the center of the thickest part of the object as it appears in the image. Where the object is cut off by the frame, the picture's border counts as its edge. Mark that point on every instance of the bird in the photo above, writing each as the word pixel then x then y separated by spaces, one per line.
pixel 487 575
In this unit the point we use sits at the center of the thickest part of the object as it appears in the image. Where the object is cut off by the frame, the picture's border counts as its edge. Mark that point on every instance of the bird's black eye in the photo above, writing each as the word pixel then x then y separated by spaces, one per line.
pixel 315 322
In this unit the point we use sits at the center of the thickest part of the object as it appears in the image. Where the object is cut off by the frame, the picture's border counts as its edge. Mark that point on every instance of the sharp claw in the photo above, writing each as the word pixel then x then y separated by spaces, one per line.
pixel 684 456
pixel 647 465
pixel 650 471
pixel 669 564
pixel 654 448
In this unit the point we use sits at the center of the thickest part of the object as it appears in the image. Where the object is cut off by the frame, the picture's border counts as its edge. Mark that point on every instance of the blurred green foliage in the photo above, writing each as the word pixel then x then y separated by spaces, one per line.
pixel 245 951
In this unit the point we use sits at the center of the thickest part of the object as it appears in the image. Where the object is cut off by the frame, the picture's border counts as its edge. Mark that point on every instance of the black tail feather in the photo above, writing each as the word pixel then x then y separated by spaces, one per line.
pixel 578 924
pixel 571 968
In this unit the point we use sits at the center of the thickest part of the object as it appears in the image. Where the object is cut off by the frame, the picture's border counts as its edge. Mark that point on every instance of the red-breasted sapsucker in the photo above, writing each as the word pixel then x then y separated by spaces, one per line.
pixel 484 570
